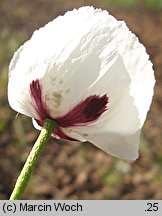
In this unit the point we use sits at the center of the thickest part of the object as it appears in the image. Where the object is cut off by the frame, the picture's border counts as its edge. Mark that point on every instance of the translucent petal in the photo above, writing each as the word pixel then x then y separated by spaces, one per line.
pixel 138 65
pixel 117 132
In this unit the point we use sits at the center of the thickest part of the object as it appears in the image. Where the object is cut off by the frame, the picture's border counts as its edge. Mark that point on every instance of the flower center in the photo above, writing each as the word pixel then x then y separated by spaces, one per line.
pixel 84 113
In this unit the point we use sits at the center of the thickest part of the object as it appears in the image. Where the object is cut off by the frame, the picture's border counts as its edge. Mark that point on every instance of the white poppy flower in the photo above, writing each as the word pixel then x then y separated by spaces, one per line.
pixel 90 74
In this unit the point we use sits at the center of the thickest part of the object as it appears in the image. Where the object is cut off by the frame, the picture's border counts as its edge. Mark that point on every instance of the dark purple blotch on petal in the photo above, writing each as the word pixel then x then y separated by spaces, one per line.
pixel 84 113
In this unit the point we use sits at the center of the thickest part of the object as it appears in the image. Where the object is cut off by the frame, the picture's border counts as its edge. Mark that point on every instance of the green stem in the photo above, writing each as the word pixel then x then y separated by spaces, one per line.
pixel 24 176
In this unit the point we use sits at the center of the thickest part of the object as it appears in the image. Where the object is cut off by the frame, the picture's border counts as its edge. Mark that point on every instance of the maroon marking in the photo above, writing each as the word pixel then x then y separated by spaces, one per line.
pixel 84 113
pixel 62 135
pixel 36 94
pixel 87 111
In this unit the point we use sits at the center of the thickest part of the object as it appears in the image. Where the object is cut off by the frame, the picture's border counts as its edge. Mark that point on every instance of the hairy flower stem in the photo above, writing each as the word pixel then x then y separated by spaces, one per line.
pixel 48 127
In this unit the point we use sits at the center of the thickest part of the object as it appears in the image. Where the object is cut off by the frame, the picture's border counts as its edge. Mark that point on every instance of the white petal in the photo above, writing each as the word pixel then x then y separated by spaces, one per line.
pixel 19 97
pixel 117 131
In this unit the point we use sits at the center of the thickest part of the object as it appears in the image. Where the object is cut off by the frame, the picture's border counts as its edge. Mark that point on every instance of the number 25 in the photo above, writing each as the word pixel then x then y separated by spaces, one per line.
pixel 152 206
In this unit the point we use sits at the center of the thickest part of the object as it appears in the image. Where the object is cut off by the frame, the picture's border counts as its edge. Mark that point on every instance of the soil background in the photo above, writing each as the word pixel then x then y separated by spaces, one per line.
pixel 69 170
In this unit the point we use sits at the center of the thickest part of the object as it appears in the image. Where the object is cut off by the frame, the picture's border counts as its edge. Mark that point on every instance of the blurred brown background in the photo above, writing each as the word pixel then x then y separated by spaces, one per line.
pixel 79 171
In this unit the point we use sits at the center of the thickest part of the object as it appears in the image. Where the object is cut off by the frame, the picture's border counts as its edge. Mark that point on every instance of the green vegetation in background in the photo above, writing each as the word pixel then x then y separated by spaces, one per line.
pixel 111 178
pixel 151 4
pixel 154 4
pixel 125 3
